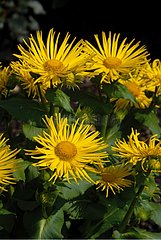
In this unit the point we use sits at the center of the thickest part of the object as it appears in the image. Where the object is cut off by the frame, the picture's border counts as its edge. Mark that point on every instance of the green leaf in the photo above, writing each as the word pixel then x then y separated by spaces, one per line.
pixel 138 233
pixel 113 133
pixel 150 120
pixel 31 173
pixel 24 109
pixel 92 101
pixel 72 190
pixel 31 131
pixel 60 99
pixel 20 173
pixel 155 213
pixel 117 90
pixel 39 227
pixel 111 218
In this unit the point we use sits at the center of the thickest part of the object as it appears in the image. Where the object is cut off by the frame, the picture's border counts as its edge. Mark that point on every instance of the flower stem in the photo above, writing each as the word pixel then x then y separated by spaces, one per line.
pixel 104 125
pixel 129 213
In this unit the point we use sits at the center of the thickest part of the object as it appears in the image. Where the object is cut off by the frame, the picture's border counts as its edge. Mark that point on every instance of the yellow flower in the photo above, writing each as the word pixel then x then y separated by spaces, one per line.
pixel 137 85
pixel 113 177
pixel 27 81
pixel 112 60
pixel 55 60
pixel 5 73
pixel 8 163
pixel 135 150
pixel 70 151
pixel 152 71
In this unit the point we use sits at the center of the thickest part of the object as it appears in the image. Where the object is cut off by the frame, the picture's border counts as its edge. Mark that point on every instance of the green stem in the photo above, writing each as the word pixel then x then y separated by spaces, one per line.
pixel 129 213
pixel 104 125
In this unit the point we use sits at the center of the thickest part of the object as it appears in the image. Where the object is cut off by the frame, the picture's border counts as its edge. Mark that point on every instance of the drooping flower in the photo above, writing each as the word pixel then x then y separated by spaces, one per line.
pixel 8 163
pixel 5 73
pixel 27 81
pixel 54 61
pixel 138 86
pixel 68 150
pixel 152 71
pixel 135 150
pixel 114 178
pixel 112 59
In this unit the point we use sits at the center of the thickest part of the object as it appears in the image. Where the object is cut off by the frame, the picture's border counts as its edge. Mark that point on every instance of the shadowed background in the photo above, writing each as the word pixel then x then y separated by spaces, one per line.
pixel 82 18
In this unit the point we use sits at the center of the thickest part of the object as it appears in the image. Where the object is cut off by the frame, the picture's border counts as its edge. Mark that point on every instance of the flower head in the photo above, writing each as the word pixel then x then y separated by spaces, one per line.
pixel 70 151
pixel 134 150
pixel 54 61
pixel 8 163
pixel 152 71
pixel 111 59
pixel 137 85
pixel 113 178
pixel 27 81
pixel 5 73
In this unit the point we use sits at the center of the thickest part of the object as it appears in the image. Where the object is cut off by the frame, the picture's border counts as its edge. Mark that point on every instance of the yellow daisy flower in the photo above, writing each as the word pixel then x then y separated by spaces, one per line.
pixel 113 177
pixel 137 85
pixel 8 163
pixel 70 151
pixel 54 61
pixel 27 81
pixel 152 71
pixel 5 73
pixel 135 150
pixel 112 60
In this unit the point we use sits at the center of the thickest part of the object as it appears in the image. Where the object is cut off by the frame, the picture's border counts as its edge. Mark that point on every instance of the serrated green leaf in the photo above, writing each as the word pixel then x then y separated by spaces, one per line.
pixel 24 109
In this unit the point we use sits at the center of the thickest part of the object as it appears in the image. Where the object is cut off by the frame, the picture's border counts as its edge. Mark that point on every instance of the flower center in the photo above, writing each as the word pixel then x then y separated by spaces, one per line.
pixel 53 65
pixel 65 150
pixel 108 177
pixel 112 62
pixel 133 88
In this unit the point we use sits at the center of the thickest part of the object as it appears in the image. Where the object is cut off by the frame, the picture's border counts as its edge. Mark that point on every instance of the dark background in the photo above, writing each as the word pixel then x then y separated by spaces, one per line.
pixel 84 18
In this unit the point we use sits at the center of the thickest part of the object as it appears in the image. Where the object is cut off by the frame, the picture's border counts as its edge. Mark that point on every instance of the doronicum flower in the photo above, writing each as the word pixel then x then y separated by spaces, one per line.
pixel 27 81
pixel 114 178
pixel 152 71
pixel 112 59
pixel 138 86
pixel 54 61
pixel 5 73
pixel 135 150
pixel 68 150
pixel 8 163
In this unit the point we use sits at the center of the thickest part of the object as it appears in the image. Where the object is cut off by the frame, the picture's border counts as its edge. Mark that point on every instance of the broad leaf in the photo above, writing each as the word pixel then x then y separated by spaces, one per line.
pixel 92 101
pixel 60 99
pixel 72 190
pixel 150 120
pixel 24 109
pixel 31 131
pixel 39 227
